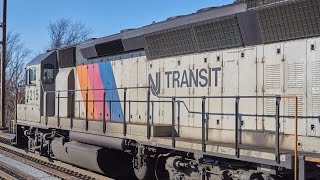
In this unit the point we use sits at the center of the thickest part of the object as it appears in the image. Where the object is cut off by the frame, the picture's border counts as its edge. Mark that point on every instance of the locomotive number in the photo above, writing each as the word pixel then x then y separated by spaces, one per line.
pixel 33 95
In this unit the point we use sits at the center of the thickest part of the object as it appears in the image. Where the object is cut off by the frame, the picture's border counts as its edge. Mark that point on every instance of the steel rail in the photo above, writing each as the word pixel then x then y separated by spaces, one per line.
pixel 9 172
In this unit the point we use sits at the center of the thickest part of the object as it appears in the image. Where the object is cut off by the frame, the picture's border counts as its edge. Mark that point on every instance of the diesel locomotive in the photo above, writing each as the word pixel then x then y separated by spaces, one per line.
pixel 230 92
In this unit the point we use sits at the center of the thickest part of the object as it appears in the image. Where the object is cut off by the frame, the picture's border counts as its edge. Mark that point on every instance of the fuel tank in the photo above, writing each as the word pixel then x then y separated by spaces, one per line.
pixel 113 163
pixel 101 141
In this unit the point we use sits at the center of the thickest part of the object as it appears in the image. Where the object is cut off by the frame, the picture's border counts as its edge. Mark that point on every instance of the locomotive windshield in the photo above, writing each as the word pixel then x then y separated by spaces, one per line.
pixel 48 74
pixel 31 76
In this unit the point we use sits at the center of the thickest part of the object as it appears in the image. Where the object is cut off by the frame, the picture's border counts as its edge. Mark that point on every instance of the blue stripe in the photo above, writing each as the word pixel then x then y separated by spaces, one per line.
pixel 109 82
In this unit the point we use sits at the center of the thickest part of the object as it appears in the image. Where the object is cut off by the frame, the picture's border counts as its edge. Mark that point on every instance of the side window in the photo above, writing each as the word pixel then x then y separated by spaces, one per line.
pixel 31 76
pixel 27 77
pixel 48 74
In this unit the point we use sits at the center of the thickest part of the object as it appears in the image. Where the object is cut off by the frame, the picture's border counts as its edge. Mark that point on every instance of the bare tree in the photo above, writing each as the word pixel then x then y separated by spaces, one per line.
pixel 17 54
pixel 64 32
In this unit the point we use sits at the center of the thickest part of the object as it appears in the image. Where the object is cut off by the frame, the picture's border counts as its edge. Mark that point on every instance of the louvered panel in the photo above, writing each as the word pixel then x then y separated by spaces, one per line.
pixel 295 75
pixel 315 104
pixel 273 76
pixel 271 106
pixel 316 88
pixel 316 75
pixel 292 105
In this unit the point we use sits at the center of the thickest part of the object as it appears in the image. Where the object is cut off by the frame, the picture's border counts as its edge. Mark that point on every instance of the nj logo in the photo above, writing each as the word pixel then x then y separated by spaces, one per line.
pixel 155 86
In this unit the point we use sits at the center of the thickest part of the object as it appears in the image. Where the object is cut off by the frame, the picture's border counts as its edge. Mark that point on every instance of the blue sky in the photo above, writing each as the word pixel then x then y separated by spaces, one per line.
pixel 31 18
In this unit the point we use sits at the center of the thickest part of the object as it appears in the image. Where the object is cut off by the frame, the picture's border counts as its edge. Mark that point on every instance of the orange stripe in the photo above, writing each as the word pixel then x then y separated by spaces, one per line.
pixel 85 84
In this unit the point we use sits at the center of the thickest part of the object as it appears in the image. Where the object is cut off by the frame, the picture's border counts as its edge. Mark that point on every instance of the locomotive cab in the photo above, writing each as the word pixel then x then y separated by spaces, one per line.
pixel 40 77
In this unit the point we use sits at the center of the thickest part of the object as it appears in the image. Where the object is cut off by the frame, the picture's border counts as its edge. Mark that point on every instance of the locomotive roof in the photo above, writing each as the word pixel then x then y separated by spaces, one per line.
pixel 40 58
pixel 135 35
pixel 243 23
pixel 180 20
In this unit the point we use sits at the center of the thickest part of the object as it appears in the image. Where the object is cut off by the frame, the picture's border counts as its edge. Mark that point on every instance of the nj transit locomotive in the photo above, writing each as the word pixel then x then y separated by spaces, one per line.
pixel 229 92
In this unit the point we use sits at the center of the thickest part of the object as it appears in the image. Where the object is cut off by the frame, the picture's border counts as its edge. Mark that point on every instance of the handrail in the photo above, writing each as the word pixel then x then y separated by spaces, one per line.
pixel 99 89
pixel 237 115
pixel 205 115
pixel 277 117
pixel 243 114
pixel 218 97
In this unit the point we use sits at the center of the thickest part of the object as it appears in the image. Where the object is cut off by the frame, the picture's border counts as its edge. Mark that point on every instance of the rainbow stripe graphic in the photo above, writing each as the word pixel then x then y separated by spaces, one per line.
pixel 100 76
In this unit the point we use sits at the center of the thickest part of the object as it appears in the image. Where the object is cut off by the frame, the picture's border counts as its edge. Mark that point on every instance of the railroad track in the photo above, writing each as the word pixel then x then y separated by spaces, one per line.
pixel 55 169
pixel 8 172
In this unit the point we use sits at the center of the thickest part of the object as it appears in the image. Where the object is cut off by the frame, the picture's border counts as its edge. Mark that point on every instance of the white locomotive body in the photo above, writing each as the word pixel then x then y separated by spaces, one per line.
pixel 216 88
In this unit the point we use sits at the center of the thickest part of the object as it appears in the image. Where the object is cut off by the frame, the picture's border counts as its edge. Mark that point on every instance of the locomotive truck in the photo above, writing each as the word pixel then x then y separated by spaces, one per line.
pixel 230 92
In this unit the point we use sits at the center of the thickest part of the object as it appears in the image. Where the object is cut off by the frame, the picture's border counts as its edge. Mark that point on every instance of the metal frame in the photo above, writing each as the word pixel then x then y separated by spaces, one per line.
pixel 176 102
pixel 124 112
pixel 237 99
pixel 173 131
pixel 205 116
pixel 87 101
pixel 58 123
pixel 301 170
pixel 277 131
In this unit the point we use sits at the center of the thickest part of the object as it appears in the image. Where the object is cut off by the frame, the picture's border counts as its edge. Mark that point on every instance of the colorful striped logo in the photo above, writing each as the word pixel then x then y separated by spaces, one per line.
pixel 99 79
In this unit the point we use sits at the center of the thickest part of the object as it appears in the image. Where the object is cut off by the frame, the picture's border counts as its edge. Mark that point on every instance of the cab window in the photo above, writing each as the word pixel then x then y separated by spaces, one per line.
pixel 31 76
pixel 48 74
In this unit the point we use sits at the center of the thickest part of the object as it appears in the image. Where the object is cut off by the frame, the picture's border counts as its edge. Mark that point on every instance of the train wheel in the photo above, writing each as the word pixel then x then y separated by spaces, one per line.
pixel 144 168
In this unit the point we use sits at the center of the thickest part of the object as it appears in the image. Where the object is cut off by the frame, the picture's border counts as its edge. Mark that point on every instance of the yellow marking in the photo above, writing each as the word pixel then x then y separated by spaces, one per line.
pixel 312 159
pixel 295 134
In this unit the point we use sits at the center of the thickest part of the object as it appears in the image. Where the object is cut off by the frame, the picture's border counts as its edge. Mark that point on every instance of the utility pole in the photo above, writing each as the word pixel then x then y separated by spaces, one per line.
pixel 3 64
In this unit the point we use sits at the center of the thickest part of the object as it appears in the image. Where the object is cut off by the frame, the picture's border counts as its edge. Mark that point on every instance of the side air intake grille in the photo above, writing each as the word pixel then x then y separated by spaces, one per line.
pixel 67 57
pixel 218 34
pixel 109 48
pixel 171 42
pixel 200 37
pixel 290 21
